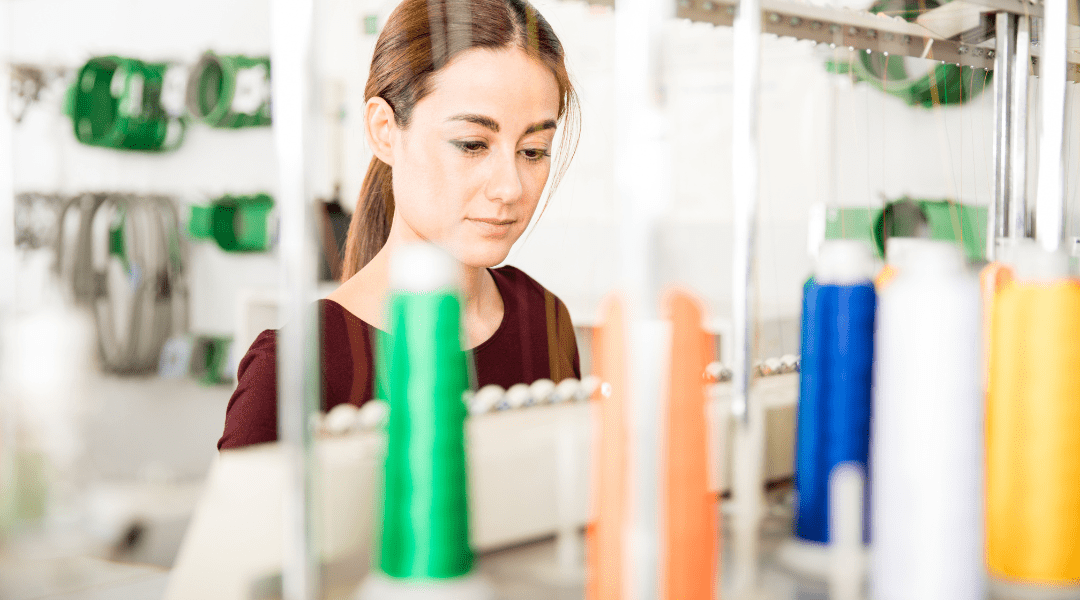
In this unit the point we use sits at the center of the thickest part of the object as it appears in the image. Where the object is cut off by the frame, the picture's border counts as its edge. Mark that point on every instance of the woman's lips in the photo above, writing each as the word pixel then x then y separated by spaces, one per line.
pixel 494 227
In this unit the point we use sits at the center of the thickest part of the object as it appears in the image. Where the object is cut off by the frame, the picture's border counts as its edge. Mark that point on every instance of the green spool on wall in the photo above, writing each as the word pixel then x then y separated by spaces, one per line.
pixel 115 102
pixel 423 372
pixel 210 359
pixel 230 91
pixel 236 223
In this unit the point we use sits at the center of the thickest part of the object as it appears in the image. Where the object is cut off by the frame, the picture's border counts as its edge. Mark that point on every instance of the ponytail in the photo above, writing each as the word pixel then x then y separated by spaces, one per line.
pixel 370 225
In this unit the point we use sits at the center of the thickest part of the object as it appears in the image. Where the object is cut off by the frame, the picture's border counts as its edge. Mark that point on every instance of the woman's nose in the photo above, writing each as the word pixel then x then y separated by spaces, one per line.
pixel 505 183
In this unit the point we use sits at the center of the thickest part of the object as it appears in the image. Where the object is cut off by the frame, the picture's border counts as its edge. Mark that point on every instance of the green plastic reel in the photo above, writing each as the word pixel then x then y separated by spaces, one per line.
pixel 115 102
pixel 230 91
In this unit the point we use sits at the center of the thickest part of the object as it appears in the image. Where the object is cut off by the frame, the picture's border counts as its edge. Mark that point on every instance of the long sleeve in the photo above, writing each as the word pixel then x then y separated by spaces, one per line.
pixel 251 417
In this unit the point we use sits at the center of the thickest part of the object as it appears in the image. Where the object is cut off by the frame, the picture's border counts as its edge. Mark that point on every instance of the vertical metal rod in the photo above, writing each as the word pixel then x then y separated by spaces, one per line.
pixel 1005 55
pixel 749 442
pixel 1017 226
pixel 8 410
pixel 642 182
pixel 747 55
pixel 1050 199
pixel 7 174
pixel 292 34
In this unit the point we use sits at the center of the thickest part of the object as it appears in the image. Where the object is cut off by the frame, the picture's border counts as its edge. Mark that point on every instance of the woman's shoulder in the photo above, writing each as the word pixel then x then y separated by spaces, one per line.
pixel 333 319
pixel 514 279
pixel 346 364
pixel 542 343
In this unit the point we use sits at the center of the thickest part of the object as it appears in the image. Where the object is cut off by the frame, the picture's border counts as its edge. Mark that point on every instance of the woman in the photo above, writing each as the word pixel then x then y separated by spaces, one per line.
pixel 463 99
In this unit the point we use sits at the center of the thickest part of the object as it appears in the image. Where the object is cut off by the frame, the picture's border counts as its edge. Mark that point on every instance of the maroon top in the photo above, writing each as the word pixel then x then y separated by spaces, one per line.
pixel 535 340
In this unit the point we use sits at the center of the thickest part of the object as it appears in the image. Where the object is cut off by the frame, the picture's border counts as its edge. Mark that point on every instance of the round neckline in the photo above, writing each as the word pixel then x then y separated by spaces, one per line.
pixel 498 330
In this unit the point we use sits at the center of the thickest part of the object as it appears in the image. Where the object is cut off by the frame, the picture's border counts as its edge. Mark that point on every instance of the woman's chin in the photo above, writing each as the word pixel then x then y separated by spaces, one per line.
pixel 483 255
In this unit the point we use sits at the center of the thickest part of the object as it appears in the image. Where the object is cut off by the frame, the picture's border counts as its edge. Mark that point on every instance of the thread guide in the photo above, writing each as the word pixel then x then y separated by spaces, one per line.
pixel 861 30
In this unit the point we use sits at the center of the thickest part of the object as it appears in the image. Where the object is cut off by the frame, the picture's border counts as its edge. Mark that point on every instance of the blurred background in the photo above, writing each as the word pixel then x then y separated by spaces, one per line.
pixel 140 252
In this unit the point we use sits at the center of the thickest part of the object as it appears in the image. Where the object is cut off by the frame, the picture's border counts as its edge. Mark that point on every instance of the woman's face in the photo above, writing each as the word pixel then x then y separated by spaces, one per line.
pixel 469 170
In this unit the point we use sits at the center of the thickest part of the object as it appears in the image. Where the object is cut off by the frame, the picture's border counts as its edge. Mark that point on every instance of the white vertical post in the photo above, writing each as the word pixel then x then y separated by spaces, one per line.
pixel 643 190
pixel 1050 199
pixel 291 55
pixel 749 431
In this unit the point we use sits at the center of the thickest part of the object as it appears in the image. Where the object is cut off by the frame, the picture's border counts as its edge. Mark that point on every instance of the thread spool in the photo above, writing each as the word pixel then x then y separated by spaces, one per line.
pixel 230 91
pixel 424 543
pixel 373 414
pixel 210 359
pixel 175 361
pixel 610 507
pixel 236 223
pixel 789 363
pixel 566 390
pixel 341 419
pixel 896 252
pixel 927 433
pixel 486 399
pixel 589 386
pixel 834 390
pixel 847 490
pixel 1033 453
pixel 517 395
pixel 540 391
pixel 690 527
pixel 115 102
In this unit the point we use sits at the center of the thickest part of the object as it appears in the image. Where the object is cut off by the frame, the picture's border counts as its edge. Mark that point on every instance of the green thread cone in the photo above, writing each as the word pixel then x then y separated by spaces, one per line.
pixel 425 528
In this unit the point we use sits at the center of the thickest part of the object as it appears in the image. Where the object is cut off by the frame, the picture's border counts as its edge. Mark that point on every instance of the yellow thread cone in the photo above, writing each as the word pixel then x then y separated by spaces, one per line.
pixel 1033 433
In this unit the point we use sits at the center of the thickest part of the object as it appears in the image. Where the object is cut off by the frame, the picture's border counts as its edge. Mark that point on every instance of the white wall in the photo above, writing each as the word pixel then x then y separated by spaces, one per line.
pixel 824 139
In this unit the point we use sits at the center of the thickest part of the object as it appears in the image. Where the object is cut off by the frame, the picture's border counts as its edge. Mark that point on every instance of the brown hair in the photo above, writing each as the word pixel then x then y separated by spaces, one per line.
pixel 419 38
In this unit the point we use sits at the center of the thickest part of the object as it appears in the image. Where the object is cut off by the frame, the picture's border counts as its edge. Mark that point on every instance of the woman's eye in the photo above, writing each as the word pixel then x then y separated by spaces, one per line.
pixel 471 147
pixel 535 154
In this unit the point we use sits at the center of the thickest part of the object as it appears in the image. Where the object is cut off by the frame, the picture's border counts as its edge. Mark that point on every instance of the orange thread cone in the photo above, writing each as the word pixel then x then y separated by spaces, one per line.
pixel 605 533
pixel 690 537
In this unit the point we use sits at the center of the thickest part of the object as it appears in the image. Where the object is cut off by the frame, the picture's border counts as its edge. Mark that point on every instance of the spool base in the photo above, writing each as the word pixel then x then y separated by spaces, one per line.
pixel 1005 589
pixel 379 586
pixel 809 558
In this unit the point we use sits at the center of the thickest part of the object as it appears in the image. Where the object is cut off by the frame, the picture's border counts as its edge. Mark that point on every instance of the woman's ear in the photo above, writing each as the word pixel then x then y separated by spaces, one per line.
pixel 379 126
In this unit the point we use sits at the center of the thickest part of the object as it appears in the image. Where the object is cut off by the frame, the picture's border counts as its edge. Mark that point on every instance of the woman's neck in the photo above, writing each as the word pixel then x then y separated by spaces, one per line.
pixel 365 294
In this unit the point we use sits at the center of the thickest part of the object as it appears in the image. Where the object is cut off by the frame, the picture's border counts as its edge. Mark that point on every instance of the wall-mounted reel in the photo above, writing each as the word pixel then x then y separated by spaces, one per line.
pixel 116 102
pixel 236 223
pixel 124 261
pixel 230 91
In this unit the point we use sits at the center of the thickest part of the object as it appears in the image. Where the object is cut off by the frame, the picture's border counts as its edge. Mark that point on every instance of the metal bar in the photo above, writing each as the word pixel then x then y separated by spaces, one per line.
pixel 292 34
pixel 749 445
pixel 747 55
pixel 1050 199
pixel 1003 81
pixel 860 30
pixel 7 175
pixel 1017 215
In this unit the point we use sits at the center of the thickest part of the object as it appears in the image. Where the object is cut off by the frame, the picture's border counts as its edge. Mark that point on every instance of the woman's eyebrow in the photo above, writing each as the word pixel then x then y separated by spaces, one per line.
pixel 493 125
pixel 480 120
pixel 542 125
